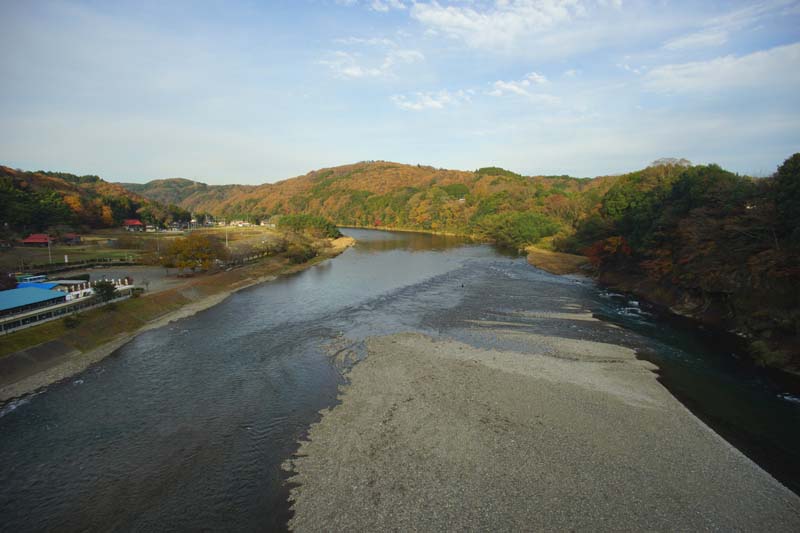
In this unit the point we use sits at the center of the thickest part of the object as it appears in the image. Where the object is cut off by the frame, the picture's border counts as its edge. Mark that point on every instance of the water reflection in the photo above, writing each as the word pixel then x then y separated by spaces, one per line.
pixel 384 241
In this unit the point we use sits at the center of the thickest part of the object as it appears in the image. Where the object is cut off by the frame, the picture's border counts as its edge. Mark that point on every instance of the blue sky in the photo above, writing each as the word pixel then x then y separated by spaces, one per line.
pixel 257 91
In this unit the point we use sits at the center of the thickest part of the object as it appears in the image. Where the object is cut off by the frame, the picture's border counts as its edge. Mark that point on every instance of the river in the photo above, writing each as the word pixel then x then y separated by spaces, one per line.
pixel 186 426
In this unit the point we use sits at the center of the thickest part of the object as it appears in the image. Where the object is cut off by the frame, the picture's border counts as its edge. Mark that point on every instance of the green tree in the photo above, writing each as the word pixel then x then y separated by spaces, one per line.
pixel 787 196
pixel 312 224
pixel 516 230
pixel 195 252
pixel 105 290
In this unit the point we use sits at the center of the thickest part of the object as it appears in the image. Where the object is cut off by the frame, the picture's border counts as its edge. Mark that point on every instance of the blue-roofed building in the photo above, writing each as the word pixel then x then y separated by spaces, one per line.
pixel 46 285
pixel 14 301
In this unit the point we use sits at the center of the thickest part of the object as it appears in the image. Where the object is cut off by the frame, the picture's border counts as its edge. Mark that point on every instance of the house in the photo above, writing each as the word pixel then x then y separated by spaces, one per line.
pixel 71 238
pixel 132 224
pixel 37 239
pixel 15 301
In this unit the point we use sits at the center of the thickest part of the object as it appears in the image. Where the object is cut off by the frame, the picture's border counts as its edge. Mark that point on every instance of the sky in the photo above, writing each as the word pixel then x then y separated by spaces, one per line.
pixel 258 91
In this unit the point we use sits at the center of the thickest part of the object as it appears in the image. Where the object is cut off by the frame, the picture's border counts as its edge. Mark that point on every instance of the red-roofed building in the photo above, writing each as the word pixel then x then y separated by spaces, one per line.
pixel 131 224
pixel 37 239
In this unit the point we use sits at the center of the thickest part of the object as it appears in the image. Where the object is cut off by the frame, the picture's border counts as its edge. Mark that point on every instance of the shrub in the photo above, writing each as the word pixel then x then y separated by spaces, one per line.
pixel 300 253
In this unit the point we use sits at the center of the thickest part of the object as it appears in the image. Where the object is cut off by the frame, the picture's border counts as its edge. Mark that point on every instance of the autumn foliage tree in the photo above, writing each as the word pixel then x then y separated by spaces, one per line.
pixel 194 252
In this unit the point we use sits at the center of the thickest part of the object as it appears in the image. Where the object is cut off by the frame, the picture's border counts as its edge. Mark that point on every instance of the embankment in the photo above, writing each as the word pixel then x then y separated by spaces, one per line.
pixel 41 355
pixel 757 326
pixel 758 335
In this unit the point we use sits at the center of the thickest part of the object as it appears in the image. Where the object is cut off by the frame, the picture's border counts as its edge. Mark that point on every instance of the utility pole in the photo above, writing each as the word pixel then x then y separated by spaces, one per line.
pixel 49 253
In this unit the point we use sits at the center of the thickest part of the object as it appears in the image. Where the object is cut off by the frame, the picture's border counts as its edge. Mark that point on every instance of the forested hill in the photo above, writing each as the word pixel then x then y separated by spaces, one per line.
pixel 39 201
pixel 394 195
pixel 708 244
pixel 191 195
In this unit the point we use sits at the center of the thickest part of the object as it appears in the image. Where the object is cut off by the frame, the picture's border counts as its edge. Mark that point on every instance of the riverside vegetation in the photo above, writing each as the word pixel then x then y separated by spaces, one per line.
pixel 706 243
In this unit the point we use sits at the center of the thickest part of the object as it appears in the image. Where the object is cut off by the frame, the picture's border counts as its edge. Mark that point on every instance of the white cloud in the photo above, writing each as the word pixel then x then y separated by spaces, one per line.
pixel 634 70
pixel 717 30
pixel 371 41
pixel 353 66
pixel 524 87
pixel 704 38
pixel 347 65
pixel 432 100
pixel 386 5
pixel 503 23
pixel 776 67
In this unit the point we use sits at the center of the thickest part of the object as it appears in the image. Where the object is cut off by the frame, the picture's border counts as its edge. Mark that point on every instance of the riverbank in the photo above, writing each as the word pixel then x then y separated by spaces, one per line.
pixel 764 347
pixel 556 262
pixel 45 354
pixel 563 434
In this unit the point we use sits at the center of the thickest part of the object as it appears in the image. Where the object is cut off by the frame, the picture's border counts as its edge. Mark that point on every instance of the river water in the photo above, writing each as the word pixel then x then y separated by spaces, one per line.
pixel 186 426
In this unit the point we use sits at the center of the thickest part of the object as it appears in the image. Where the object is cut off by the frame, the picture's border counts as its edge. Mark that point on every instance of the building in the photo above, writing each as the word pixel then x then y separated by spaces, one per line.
pixel 37 239
pixel 15 301
pixel 46 285
pixel 132 224
pixel 71 238
pixel 24 307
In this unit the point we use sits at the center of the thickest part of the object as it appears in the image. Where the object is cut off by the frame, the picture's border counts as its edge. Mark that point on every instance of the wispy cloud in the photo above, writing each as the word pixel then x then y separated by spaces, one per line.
pixel 502 23
pixel 776 67
pixel 421 101
pixel 366 41
pixel 351 65
pixel 524 87
pixel 704 38
pixel 386 5
pixel 717 31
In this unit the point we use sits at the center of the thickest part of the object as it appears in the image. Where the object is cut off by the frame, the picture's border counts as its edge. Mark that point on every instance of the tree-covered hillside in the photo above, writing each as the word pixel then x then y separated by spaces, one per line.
pixel 709 244
pixel 489 202
pixel 191 195
pixel 39 201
